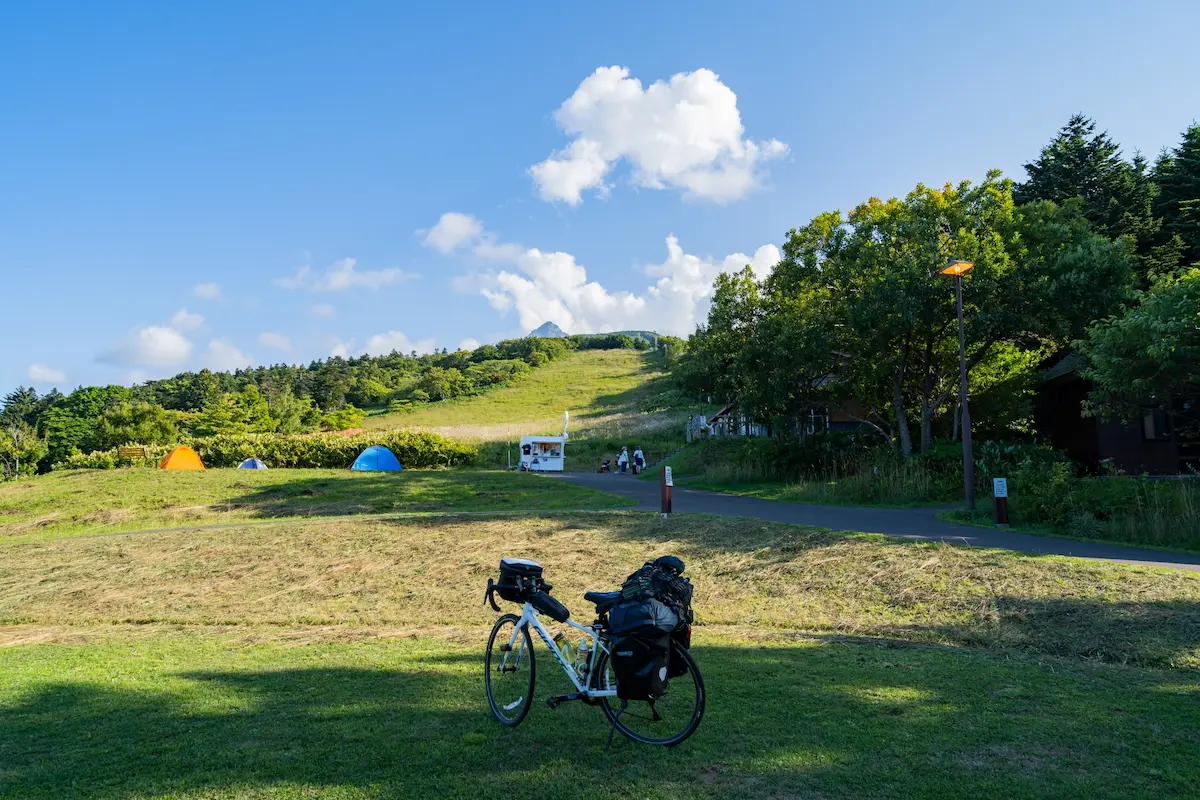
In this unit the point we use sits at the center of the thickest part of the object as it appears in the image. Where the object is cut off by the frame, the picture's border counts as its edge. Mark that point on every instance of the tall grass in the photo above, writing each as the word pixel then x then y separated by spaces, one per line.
pixel 1164 513
pixel 886 481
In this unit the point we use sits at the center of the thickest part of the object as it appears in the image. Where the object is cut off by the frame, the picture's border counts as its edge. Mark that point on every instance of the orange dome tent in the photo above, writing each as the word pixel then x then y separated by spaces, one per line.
pixel 182 458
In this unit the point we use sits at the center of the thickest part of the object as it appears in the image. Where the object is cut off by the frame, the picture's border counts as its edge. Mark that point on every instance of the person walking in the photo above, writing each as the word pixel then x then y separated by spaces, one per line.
pixel 639 460
pixel 623 460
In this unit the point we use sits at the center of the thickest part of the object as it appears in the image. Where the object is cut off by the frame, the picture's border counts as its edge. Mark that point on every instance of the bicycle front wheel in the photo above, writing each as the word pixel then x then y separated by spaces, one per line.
pixel 669 719
pixel 509 671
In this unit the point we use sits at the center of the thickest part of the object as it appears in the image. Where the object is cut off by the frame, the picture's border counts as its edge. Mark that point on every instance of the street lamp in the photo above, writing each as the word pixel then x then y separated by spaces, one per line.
pixel 957 269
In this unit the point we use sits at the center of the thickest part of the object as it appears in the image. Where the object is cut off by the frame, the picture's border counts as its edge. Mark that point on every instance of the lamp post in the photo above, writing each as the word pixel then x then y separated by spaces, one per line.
pixel 957 269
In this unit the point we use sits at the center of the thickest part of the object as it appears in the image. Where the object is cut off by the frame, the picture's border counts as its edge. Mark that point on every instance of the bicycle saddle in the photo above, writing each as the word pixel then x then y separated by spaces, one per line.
pixel 603 600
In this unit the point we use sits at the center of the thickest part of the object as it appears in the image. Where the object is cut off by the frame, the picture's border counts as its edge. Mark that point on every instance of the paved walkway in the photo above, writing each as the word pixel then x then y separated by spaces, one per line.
pixel 909 523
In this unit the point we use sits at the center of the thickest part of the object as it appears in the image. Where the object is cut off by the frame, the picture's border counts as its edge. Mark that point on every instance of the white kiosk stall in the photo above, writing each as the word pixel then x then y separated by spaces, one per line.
pixel 545 453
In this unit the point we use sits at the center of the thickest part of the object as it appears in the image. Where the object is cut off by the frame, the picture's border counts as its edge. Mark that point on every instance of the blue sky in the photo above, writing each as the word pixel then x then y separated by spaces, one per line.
pixel 229 183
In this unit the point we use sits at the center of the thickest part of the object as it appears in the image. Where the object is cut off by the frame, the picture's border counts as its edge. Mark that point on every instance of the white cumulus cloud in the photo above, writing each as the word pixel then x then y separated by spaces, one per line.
pixel 207 291
pixel 381 344
pixel 684 134
pixel 42 374
pixel 275 341
pixel 341 349
pixel 468 344
pixel 223 356
pixel 152 346
pixel 185 320
pixel 452 231
pixel 342 275
pixel 322 310
pixel 553 287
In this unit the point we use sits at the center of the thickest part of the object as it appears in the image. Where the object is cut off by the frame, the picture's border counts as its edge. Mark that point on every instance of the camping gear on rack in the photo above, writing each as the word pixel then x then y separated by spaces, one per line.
pixel 376 458
pixel 655 608
pixel 182 457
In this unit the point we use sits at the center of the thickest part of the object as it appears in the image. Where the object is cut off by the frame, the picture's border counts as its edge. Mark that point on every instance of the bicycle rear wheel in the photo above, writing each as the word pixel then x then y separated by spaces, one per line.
pixel 668 720
pixel 509 673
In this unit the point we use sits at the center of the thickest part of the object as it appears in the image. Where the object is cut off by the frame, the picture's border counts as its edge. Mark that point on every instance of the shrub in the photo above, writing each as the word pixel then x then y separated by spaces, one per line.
pixel 344 418
pixel 319 451
pixel 1042 492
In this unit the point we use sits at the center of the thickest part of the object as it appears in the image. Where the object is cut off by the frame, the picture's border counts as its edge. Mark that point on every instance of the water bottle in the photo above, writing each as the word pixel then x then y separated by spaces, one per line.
pixel 564 647
pixel 583 655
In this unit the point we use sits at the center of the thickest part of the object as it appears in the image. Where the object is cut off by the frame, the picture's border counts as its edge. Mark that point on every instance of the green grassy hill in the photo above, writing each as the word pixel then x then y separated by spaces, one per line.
pixel 588 383
pixel 602 390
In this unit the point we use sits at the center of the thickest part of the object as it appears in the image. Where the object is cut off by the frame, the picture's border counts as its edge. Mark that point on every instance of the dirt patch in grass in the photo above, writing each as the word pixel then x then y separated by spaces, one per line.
pixel 109 516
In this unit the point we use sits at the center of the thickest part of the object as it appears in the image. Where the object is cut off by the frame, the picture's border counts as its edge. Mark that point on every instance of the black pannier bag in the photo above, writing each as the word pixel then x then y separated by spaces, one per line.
pixel 662 580
pixel 520 579
pixel 641 635
pixel 682 636
pixel 640 663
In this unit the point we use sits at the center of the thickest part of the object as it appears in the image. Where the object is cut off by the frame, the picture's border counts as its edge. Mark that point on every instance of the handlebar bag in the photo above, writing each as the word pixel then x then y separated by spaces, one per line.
pixel 520 579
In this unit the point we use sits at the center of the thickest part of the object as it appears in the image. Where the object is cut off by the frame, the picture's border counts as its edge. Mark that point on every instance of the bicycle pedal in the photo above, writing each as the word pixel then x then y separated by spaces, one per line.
pixel 555 702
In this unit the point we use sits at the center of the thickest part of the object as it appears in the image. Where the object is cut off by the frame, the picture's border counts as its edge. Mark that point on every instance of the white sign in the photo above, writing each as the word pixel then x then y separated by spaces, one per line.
pixel 999 487
pixel 668 476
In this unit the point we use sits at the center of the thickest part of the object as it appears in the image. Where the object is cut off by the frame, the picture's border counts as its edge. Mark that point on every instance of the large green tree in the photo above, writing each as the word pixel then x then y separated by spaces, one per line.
pixel 856 310
pixel 21 448
pixel 716 352
pixel 135 422
pixel 1080 163
pixel 1177 174
pixel 1149 356
pixel 73 422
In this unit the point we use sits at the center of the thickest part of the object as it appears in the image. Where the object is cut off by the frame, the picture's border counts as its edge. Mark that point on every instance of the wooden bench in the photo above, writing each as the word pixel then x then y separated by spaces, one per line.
pixel 134 452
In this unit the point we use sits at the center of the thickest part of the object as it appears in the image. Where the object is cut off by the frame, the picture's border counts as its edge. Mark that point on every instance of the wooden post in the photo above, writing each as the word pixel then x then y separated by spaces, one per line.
pixel 667 483
pixel 1000 500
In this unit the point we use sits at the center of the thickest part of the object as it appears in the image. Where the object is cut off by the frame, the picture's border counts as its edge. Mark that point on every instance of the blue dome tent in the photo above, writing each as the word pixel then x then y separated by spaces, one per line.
pixel 252 463
pixel 376 458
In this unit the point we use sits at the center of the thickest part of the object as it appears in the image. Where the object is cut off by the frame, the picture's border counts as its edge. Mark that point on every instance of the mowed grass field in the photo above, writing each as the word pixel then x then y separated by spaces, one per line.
pixel 108 501
pixel 343 659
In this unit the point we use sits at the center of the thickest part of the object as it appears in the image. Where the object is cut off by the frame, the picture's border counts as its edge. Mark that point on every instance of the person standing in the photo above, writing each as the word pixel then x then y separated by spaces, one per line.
pixel 639 460
pixel 623 460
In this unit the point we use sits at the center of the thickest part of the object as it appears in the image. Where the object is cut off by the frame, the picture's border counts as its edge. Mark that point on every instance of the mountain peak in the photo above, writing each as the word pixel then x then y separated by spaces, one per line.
pixel 548 330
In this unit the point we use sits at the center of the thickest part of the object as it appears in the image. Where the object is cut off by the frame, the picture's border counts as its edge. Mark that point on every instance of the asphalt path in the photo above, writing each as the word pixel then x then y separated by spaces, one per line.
pixel 907 523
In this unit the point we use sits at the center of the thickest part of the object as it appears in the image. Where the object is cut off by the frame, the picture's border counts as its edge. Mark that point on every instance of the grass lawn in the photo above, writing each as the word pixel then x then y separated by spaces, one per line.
pixel 103 501
pixel 221 715
pixel 343 660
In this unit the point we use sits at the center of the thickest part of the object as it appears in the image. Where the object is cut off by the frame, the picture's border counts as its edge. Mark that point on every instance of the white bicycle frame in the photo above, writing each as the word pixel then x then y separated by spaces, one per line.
pixel 530 619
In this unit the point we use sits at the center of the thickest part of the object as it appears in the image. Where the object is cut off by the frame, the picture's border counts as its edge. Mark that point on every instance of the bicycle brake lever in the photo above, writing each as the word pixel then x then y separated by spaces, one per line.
pixel 489 596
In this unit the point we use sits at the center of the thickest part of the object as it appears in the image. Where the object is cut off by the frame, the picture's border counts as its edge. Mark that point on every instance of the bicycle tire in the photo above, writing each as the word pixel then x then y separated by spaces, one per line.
pixel 614 714
pixel 499 708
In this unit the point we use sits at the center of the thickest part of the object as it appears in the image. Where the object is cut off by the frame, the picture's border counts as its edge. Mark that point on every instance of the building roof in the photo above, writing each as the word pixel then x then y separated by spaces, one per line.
pixel 1070 364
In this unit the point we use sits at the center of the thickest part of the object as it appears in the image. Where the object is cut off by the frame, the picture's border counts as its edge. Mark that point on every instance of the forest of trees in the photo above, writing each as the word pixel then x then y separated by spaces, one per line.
pixel 38 431
pixel 1093 253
